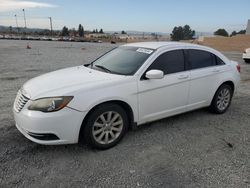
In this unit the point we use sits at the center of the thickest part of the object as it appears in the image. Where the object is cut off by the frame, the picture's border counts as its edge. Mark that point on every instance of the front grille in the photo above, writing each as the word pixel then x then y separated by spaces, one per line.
pixel 20 101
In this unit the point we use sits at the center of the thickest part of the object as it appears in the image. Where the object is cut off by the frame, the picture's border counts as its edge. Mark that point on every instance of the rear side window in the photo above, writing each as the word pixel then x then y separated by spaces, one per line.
pixel 219 61
pixel 169 62
pixel 200 59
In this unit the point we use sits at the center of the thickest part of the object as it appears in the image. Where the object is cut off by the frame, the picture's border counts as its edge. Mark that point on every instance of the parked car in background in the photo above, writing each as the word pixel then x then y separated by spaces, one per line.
pixel 126 87
pixel 246 55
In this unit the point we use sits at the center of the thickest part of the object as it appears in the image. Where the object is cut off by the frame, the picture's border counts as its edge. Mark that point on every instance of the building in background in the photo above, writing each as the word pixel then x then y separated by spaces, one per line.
pixel 248 28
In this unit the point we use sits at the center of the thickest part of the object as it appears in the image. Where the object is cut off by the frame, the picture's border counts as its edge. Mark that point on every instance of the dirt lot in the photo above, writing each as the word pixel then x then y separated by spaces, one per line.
pixel 235 43
pixel 196 149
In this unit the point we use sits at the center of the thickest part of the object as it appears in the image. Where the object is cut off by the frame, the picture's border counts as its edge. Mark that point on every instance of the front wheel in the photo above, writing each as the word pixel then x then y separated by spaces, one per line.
pixel 105 126
pixel 222 99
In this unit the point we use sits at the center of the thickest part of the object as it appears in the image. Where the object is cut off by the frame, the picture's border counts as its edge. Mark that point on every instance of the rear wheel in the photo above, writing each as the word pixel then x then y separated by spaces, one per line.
pixel 222 99
pixel 247 60
pixel 105 126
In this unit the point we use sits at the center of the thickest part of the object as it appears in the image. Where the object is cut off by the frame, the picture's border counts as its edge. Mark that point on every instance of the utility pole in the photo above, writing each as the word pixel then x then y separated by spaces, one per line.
pixel 25 24
pixel 16 24
pixel 50 19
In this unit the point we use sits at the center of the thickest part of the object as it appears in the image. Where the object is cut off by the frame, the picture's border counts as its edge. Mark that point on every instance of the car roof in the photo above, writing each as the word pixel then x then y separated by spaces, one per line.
pixel 157 45
pixel 169 45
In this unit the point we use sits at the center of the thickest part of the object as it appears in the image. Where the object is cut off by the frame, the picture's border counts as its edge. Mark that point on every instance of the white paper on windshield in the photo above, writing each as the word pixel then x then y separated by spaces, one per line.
pixel 143 50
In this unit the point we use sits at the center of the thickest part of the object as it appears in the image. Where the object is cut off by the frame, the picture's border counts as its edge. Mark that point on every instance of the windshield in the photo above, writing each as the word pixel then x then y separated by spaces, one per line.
pixel 122 60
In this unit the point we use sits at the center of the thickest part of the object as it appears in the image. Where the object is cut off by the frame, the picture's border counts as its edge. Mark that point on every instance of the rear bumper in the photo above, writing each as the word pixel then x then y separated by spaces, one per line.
pixel 61 127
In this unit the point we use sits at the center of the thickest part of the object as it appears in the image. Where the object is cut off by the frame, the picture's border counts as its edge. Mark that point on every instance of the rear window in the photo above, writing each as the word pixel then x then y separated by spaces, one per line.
pixel 200 59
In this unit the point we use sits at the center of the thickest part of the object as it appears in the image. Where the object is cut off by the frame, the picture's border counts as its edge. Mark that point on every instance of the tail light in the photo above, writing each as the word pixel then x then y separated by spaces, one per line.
pixel 238 68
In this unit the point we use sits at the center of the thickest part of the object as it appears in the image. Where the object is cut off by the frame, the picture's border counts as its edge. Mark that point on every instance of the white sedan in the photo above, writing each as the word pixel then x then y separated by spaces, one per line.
pixel 246 55
pixel 126 87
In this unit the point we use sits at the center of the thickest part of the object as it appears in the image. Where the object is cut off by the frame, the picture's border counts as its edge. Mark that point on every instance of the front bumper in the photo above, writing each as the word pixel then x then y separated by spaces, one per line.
pixel 61 127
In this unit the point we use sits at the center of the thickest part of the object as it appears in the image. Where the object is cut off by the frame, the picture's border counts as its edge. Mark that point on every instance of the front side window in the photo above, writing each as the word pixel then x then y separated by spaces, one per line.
pixel 122 60
pixel 200 59
pixel 169 62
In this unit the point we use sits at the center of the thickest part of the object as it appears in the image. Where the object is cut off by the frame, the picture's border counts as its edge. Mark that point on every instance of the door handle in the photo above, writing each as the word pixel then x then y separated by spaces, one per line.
pixel 181 77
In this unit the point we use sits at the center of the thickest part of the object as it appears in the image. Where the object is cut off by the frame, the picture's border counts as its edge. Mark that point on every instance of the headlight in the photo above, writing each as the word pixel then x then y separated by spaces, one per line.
pixel 51 104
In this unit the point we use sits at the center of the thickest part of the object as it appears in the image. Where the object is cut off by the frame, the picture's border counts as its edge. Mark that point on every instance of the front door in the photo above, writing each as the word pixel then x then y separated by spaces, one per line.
pixel 159 98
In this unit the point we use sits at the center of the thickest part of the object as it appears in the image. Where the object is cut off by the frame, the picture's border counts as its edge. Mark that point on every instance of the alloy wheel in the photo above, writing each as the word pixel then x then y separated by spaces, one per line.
pixel 223 99
pixel 107 127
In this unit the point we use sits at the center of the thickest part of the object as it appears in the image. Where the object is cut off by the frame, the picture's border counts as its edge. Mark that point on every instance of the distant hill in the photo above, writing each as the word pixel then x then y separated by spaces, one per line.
pixel 133 32
pixel 21 29
pixel 14 29
pixel 130 32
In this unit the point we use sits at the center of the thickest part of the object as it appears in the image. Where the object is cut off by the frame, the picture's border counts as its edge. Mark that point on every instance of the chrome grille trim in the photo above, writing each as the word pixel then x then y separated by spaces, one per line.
pixel 20 101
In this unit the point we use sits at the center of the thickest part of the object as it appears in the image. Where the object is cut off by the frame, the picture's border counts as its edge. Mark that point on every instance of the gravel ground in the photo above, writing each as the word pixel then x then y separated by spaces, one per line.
pixel 195 149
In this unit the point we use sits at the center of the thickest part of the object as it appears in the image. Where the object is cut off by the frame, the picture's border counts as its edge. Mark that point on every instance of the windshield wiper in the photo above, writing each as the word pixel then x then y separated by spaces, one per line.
pixel 104 68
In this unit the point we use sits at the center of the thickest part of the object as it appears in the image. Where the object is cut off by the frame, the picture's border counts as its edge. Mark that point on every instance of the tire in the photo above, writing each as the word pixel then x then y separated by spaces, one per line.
pixel 222 99
pixel 105 126
pixel 247 60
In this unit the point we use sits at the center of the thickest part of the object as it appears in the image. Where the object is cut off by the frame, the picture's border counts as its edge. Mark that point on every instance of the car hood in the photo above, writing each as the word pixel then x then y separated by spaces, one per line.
pixel 73 77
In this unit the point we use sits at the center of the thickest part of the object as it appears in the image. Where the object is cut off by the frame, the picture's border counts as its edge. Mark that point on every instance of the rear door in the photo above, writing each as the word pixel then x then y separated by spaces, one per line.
pixel 204 76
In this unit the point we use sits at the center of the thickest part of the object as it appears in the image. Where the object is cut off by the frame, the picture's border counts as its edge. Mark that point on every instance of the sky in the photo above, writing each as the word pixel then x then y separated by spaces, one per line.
pixel 139 15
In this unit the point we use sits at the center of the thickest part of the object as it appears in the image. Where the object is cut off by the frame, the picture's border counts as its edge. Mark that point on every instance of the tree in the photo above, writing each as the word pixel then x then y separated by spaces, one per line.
pixel 233 33
pixel 101 31
pixel 80 31
pixel 182 33
pixel 221 32
pixel 73 32
pixel 65 31
pixel 242 32
pixel 187 32
pixel 236 33
pixel 177 34
pixel 123 32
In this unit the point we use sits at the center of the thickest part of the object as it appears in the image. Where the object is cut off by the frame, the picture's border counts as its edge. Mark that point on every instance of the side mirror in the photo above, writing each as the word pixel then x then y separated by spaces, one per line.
pixel 154 74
